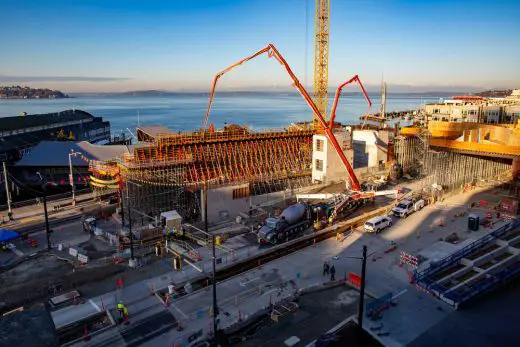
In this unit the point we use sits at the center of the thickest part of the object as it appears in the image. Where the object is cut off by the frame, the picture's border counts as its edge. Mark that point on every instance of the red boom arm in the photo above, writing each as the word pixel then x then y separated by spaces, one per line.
pixel 338 93
pixel 273 52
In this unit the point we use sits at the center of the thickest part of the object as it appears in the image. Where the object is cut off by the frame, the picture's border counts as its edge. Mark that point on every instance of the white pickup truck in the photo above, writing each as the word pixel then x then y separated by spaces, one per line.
pixel 407 207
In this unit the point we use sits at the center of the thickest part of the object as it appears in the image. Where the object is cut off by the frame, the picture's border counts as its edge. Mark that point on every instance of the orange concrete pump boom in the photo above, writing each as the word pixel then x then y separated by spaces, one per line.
pixel 273 52
pixel 338 93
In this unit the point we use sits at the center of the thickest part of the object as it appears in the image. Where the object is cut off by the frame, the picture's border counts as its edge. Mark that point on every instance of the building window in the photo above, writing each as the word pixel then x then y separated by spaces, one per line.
pixel 319 145
pixel 240 193
pixel 319 165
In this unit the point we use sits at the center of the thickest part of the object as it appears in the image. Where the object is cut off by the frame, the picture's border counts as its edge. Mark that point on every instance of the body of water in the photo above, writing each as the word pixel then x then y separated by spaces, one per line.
pixel 187 111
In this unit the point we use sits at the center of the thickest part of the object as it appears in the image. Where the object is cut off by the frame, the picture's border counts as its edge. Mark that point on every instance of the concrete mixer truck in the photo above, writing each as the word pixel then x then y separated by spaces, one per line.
pixel 294 219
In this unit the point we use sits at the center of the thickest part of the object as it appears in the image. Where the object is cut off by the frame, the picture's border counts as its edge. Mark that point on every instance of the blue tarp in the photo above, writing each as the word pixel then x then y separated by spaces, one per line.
pixel 8 235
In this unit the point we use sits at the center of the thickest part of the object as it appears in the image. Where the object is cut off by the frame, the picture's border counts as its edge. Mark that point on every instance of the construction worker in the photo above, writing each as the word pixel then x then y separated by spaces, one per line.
pixel 325 268
pixel 126 315
pixel 123 311
pixel 332 273
pixel 120 308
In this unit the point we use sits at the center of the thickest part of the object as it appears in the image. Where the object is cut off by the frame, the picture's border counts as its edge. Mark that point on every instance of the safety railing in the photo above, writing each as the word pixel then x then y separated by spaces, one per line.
pixel 444 263
pixel 232 135
pixel 424 278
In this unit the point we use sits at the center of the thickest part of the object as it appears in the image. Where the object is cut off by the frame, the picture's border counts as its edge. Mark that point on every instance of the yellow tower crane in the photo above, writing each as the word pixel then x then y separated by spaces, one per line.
pixel 321 59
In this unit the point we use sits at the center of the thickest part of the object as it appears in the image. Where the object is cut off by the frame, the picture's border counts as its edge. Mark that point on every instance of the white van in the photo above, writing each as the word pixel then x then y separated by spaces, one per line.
pixel 376 224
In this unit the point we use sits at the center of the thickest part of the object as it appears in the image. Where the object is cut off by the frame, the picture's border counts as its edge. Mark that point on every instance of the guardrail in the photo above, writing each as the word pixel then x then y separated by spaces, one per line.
pixel 442 264
pixel 423 278
pixel 50 198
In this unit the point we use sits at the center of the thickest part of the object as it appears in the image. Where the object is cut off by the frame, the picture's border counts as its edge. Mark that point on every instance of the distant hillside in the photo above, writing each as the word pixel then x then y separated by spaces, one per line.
pixel 495 93
pixel 19 92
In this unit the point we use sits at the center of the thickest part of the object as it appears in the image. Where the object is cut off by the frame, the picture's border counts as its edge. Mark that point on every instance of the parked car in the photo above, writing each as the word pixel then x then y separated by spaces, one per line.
pixel 407 207
pixel 376 224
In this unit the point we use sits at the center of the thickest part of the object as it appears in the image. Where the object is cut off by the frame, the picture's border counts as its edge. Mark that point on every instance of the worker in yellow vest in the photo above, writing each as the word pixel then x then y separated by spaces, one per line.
pixel 123 312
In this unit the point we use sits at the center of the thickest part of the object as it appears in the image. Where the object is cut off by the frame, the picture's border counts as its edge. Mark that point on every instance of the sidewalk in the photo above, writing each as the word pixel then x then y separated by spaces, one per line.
pixel 35 213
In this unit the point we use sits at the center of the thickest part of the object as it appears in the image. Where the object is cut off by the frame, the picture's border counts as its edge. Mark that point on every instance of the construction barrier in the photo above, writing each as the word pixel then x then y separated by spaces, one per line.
pixel 409 259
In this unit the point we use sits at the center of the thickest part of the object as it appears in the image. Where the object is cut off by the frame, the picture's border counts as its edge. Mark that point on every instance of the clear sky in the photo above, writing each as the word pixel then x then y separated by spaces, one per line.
pixel 102 45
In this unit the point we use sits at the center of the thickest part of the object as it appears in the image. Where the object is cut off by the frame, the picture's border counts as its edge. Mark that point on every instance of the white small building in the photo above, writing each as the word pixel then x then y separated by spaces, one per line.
pixel 326 163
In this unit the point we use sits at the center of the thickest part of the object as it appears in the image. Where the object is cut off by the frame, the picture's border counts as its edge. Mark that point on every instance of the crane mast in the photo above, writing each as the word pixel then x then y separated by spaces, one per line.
pixel 321 59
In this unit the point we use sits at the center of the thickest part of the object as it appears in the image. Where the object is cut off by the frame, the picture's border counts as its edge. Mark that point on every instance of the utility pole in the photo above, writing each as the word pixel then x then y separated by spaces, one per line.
pixel 131 263
pixel 362 295
pixel 47 229
pixel 130 235
pixel 122 207
pixel 215 306
pixel 7 192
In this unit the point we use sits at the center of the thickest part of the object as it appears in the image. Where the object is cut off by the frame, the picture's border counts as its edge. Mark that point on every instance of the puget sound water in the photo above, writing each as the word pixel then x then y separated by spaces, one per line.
pixel 181 112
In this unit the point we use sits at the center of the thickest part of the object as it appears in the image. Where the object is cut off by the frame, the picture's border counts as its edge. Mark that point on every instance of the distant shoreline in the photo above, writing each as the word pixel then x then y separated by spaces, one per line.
pixel 253 93
pixel 23 93
pixel 35 98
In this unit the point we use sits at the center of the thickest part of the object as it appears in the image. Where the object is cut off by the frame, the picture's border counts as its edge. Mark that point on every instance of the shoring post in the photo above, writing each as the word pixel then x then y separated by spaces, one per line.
pixel 86 337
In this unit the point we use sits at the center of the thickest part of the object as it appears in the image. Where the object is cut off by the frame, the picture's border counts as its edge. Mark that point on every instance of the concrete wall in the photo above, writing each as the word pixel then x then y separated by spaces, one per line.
pixel 222 206
pixel 220 201
pixel 376 145
pixel 332 168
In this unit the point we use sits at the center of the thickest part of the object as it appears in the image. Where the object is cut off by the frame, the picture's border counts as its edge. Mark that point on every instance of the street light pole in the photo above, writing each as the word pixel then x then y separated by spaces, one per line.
pixel 71 176
pixel 47 230
pixel 362 294
pixel 7 192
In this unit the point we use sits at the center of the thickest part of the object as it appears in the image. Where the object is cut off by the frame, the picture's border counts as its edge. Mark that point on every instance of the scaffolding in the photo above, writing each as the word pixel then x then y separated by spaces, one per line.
pixel 451 170
pixel 168 172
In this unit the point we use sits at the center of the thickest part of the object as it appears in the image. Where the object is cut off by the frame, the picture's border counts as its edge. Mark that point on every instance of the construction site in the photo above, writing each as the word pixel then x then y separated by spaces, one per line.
pixel 221 234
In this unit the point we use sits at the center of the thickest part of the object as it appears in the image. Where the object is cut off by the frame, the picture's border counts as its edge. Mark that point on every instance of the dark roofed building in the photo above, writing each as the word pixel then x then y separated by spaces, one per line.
pixel 32 327
pixel 51 159
pixel 18 135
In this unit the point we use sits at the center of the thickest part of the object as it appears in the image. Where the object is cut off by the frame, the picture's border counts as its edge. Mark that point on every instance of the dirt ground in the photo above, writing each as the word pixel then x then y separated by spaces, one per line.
pixel 34 280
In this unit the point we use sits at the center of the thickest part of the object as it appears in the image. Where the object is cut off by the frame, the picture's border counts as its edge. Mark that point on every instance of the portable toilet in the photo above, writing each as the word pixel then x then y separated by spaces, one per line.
pixel 473 222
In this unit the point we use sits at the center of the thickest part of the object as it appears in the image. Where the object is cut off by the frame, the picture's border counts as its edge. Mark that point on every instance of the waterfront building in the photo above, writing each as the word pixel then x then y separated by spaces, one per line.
pixel 476 109
pixel 20 134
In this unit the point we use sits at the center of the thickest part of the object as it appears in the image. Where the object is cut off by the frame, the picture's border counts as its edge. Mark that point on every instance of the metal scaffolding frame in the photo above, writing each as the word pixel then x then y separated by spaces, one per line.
pixel 172 169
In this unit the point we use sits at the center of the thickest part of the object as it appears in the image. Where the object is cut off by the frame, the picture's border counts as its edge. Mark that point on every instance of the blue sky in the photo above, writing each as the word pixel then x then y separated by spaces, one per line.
pixel 179 45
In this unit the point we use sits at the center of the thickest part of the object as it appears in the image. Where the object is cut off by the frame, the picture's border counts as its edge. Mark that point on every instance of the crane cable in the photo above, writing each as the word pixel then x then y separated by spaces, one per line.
pixel 306 41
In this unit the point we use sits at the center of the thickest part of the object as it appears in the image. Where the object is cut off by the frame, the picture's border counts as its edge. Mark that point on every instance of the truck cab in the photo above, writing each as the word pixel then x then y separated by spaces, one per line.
pixel 293 219
pixel 268 232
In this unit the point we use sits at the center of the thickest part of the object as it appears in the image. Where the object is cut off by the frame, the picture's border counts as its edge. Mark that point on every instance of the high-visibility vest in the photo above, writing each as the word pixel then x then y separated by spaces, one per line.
pixel 120 307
